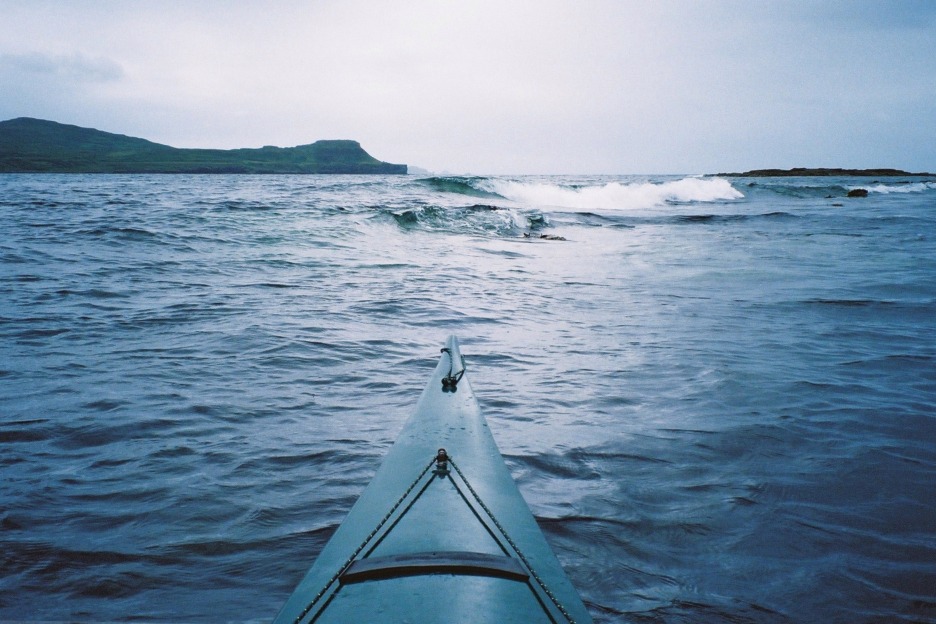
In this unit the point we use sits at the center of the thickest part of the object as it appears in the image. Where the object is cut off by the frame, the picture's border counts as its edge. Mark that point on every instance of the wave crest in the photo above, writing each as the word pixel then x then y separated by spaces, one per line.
pixel 908 187
pixel 459 185
pixel 477 219
pixel 616 195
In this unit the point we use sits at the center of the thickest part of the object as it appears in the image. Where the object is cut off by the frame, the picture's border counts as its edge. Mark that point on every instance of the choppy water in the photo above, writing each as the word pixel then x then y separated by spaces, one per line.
pixel 718 398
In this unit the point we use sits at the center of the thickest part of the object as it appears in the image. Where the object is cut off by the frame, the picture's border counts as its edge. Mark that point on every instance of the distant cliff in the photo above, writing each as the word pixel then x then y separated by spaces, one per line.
pixel 37 146
pixel 804 172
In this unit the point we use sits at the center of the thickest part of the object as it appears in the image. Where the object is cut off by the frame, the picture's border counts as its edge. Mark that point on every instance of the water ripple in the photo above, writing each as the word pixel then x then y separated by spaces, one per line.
pixel 718 409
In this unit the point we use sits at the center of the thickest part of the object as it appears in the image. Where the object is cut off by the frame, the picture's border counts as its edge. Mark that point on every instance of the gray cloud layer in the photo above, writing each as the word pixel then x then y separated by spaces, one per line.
pixel 601 86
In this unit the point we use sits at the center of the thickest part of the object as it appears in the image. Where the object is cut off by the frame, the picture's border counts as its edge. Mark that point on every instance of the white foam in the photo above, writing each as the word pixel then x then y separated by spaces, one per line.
pixel 913 187
pixel 615 195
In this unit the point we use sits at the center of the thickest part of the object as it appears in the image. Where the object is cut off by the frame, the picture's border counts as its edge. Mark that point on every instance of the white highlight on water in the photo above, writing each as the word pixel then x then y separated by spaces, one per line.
pixel 910 187
pixel 615 195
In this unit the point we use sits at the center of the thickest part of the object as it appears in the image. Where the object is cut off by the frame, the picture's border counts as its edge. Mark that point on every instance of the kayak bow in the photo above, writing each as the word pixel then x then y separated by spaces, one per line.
pixel 441 534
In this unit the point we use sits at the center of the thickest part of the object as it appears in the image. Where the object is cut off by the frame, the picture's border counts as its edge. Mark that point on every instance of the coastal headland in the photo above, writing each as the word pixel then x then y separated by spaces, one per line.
pixel 30 145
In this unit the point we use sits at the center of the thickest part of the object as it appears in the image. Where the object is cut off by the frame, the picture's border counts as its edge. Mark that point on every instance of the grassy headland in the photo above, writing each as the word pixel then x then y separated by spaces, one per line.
pixel 37 146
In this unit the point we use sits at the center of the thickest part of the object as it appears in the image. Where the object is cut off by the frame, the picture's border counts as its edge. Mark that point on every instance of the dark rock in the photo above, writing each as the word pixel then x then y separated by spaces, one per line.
pixel 859 192
pixel 814 172
pixel 552 237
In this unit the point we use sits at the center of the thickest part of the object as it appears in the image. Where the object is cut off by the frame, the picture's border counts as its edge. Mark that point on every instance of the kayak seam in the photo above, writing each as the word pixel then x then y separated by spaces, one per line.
pixel 513 545
pixel 363 545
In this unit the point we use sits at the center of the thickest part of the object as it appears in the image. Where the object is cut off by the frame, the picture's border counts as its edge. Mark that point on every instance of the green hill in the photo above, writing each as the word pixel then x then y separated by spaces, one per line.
pixel 37 146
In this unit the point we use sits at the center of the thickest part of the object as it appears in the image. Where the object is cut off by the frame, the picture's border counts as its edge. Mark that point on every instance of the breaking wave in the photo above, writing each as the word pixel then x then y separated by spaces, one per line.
pixel 908 187
pixel 616 195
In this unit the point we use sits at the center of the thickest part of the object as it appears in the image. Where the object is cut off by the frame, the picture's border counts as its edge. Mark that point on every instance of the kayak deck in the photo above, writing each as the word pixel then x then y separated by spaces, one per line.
pixel 441 534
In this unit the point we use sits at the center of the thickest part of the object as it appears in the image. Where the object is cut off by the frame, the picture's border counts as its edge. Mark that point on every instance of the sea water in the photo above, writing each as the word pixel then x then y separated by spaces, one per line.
pixel 718 396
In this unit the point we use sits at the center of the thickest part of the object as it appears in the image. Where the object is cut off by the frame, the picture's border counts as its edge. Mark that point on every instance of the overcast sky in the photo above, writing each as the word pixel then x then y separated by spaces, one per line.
pixel 499 86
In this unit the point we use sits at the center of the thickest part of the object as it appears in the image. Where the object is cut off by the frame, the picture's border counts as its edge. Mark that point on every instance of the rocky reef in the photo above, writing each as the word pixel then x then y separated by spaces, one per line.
pixel 807 172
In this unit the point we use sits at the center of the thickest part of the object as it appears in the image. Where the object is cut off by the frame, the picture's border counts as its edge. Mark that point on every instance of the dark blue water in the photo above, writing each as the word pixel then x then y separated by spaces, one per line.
pixel 719 399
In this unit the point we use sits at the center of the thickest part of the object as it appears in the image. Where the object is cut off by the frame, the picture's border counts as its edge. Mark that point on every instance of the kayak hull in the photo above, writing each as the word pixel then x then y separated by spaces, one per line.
pixel 438 536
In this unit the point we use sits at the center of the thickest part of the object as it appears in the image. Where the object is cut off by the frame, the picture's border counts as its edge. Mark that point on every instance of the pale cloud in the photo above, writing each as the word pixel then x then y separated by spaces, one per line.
pixel 44 85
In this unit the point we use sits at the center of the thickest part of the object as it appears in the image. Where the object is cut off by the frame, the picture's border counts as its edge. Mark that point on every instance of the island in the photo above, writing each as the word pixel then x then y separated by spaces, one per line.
pixel 808 172
pixel 30 145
